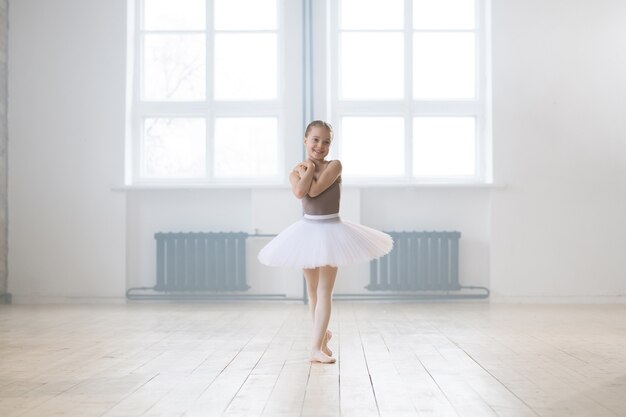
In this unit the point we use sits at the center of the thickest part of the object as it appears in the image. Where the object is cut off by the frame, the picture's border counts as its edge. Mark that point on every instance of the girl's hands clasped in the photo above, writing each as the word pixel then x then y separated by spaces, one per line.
pixel 303 167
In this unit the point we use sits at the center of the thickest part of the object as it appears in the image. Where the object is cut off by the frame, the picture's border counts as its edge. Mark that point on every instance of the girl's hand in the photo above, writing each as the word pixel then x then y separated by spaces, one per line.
pixel 301 169
pixel 301 178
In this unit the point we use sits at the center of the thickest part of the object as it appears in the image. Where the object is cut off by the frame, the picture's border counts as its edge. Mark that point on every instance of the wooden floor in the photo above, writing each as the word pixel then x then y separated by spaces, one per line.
pixel 250 359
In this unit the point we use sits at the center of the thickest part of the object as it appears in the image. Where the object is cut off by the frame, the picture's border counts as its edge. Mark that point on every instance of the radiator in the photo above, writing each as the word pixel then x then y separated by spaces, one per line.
pixel 418 261
pixel 201 261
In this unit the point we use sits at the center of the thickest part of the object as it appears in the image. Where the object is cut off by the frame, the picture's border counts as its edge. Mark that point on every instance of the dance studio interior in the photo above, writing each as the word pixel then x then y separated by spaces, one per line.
pixel 147 154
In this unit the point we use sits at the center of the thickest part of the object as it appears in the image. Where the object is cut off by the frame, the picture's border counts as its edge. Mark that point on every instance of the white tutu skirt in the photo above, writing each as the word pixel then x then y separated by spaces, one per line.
pixel 320 240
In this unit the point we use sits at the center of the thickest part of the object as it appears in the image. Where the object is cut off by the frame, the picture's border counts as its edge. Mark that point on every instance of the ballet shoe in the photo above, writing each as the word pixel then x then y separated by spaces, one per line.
pixel 325 348
pixel 321 357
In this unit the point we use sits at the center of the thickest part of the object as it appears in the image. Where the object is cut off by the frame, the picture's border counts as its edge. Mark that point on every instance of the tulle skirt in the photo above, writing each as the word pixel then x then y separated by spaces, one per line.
pixel 320 240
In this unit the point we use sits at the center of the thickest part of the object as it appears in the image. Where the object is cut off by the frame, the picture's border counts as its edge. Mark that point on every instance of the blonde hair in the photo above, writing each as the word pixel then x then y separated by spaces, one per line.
pixel 318 123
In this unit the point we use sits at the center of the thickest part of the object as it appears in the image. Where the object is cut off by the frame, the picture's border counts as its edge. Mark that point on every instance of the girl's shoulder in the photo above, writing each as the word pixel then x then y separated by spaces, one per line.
pixel 335 162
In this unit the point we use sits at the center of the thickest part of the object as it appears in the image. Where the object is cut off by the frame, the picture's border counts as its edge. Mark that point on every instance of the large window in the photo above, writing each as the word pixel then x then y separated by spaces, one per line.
pixel 219 89
pixel 408 94
pixel 208 94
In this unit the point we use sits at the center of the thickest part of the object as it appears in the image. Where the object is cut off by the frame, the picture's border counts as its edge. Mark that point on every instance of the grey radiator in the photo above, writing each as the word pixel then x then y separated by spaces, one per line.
pixel 201 262
pixel 418 261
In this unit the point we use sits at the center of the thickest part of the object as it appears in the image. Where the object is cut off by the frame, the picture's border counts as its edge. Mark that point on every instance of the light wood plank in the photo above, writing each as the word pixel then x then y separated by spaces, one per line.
pixel 251 359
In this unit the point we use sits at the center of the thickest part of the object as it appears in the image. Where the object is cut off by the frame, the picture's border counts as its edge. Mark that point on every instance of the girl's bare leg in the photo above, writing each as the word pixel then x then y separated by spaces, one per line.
pixel 312 280
pixel 326 283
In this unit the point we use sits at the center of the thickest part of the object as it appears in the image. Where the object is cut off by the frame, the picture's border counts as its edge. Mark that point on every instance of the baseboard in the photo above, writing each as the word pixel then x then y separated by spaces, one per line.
pixel 40 299
pixel 593 299
pixel 495 299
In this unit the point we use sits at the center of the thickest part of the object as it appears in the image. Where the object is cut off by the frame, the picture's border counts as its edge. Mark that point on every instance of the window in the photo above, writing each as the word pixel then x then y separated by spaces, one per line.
pixel 407 91
pixel 207 104
pixel 221 89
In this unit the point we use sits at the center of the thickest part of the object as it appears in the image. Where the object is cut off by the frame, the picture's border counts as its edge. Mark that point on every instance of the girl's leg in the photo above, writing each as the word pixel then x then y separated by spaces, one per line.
pixel 312 280
pixel 325 286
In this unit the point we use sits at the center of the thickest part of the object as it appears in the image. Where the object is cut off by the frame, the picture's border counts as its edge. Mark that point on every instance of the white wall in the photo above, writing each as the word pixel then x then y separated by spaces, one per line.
pixel 557 229
pixel 66 127
pixel 243 210
pixel 462 209
pixel 268 211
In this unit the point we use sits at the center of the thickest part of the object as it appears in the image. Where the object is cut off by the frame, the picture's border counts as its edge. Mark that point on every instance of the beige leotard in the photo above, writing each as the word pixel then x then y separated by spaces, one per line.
pixel 325 203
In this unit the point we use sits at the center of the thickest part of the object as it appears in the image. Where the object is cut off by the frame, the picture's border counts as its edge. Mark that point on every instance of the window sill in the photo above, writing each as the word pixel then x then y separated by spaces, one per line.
pixel 349 185
pixel 433 185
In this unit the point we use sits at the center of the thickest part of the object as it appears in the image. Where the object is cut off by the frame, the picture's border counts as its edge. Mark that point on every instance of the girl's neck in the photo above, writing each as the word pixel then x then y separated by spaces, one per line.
pixel 317 161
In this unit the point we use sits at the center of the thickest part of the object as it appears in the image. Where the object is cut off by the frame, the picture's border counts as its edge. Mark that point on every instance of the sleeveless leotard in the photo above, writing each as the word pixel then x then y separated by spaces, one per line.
pixel 325 203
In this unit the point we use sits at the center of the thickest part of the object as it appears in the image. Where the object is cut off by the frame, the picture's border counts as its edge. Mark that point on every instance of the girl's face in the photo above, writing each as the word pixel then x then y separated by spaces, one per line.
pixel 318 143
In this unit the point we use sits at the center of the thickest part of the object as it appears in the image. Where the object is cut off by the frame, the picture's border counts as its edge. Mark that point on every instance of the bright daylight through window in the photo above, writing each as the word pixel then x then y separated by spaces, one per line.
pixel 406 87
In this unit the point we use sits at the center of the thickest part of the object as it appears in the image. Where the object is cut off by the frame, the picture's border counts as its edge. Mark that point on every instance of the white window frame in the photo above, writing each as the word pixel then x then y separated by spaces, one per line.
pixel 328 103
pixel 287 108
pixel 308 89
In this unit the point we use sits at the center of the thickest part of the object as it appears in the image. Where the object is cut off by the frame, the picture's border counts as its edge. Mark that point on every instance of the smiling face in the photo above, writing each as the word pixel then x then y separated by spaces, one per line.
pixel 318 142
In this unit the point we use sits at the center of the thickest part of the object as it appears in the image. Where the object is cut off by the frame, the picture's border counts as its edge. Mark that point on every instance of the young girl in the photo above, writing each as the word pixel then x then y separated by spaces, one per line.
pixel 321 241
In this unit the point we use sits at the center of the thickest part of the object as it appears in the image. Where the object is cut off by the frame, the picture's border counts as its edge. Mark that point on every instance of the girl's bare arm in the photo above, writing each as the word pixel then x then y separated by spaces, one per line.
pixel 301 181
pixel 326 178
